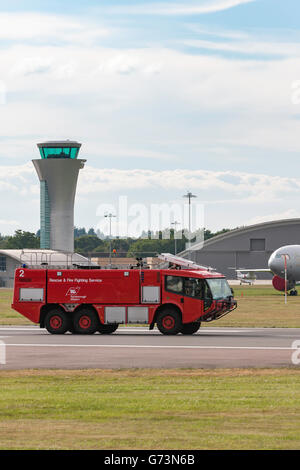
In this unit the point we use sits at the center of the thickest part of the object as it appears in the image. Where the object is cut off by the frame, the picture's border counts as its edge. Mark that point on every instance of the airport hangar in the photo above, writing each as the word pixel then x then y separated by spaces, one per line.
pixel 245 247
pixel 12 259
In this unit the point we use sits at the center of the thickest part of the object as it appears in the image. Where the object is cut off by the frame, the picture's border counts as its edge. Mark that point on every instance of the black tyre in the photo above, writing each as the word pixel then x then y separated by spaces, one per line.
pixel 57 322
pixel 190 328
pixel 85 322
pixel 107 329
pixel 169 322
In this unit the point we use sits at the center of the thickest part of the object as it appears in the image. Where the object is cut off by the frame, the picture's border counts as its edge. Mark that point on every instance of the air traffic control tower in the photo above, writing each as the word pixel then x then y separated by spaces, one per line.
pixel 58 172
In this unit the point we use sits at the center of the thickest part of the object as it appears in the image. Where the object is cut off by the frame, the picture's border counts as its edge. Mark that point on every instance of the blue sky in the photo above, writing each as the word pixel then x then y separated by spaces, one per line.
pixel 202 92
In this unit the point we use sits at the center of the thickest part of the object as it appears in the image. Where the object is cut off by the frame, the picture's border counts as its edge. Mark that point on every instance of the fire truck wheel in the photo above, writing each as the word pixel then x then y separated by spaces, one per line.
pixel 57 322
pixel 85 322
pixel 107 329
pixel 190 328
pixel 169 322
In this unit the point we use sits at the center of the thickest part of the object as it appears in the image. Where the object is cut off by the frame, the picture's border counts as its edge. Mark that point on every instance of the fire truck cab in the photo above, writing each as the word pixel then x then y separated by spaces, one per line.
pixel 82 301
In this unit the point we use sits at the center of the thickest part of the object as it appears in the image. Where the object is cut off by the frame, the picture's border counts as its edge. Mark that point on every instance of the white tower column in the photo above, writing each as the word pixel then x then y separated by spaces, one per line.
pixel 58 174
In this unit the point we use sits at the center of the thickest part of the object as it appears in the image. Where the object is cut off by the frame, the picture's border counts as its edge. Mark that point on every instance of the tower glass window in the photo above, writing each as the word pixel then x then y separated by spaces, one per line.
pixel 63 149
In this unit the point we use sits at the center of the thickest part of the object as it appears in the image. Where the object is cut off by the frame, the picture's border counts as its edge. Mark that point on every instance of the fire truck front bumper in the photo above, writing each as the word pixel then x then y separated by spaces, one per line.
pixel 219 309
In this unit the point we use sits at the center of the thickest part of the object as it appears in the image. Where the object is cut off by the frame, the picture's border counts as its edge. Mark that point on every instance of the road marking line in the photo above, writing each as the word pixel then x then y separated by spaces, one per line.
pixel 29 328
pixel 259 348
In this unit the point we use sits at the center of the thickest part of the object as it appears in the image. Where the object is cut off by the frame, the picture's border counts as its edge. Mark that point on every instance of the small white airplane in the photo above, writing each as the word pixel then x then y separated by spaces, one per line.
pixel 284 264
pixel 245 278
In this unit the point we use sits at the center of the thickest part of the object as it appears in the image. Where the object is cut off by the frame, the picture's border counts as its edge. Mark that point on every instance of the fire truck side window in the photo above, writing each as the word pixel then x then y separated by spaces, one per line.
pixel 194 287
pixel 174 284
pixel 187 286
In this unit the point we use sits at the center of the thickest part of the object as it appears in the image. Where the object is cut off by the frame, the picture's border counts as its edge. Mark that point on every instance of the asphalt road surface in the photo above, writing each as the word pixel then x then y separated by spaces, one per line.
pixel 128 347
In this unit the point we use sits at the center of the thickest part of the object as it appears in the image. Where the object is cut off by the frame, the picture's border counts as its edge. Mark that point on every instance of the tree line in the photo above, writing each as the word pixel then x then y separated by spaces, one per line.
pixel 89 242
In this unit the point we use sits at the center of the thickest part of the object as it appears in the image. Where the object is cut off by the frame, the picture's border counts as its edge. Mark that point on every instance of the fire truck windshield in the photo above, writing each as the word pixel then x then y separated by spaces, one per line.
pixel 219 288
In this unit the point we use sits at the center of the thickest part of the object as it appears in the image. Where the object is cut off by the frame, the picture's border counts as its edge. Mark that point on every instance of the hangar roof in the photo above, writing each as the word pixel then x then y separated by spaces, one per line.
pixel 35 257
pixel 244 230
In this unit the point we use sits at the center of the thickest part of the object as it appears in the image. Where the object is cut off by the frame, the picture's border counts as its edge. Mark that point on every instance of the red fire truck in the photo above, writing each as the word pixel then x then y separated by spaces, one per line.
pixel 82 301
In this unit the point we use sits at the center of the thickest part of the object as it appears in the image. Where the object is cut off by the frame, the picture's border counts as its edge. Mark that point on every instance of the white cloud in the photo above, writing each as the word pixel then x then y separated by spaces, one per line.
pixel 246 187
pixel 253 47
pixel 122 64
pixel 216 32
pixel 288 214
pixel 66 71
pixel 9 222
pixel 16 179
pixel 44 27
pixel 129 63
pixel 32 65
pixel 206 6
pixel 230 198
pixel 151 102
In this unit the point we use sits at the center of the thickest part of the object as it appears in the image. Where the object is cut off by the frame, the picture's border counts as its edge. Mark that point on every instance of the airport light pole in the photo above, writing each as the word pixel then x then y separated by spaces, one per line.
pixel 285 279
pixel 189 196
pixel 110 216
pixel 175 223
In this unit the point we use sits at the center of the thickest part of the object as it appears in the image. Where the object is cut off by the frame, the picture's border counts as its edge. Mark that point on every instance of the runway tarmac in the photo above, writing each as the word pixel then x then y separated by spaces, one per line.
pixel 34 348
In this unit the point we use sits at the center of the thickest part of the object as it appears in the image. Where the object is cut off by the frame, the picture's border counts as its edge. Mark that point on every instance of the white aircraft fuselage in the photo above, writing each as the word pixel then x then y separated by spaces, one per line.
pixel 284 264
pixel 276 263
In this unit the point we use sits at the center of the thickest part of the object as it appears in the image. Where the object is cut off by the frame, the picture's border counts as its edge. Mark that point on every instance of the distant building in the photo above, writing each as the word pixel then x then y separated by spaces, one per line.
pixel 58 172
pixel 117 263
pixel 153 262
pixel 247 247
pixel 12 259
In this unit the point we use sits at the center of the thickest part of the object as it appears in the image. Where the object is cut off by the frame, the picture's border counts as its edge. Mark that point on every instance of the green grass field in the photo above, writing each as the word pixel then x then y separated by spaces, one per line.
pixel 158 409
pixel 7 315
pixel 258 306
pixel 262 307
pixel 150 409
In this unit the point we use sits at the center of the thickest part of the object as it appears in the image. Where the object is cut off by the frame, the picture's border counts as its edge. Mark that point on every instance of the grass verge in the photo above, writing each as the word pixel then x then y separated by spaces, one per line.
pixel 8 316
pixel 261 307
pixel 150 409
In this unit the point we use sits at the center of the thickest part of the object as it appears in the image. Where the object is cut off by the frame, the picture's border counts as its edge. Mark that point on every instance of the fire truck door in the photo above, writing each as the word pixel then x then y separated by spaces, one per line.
pixel 187 292
pixel 192 299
